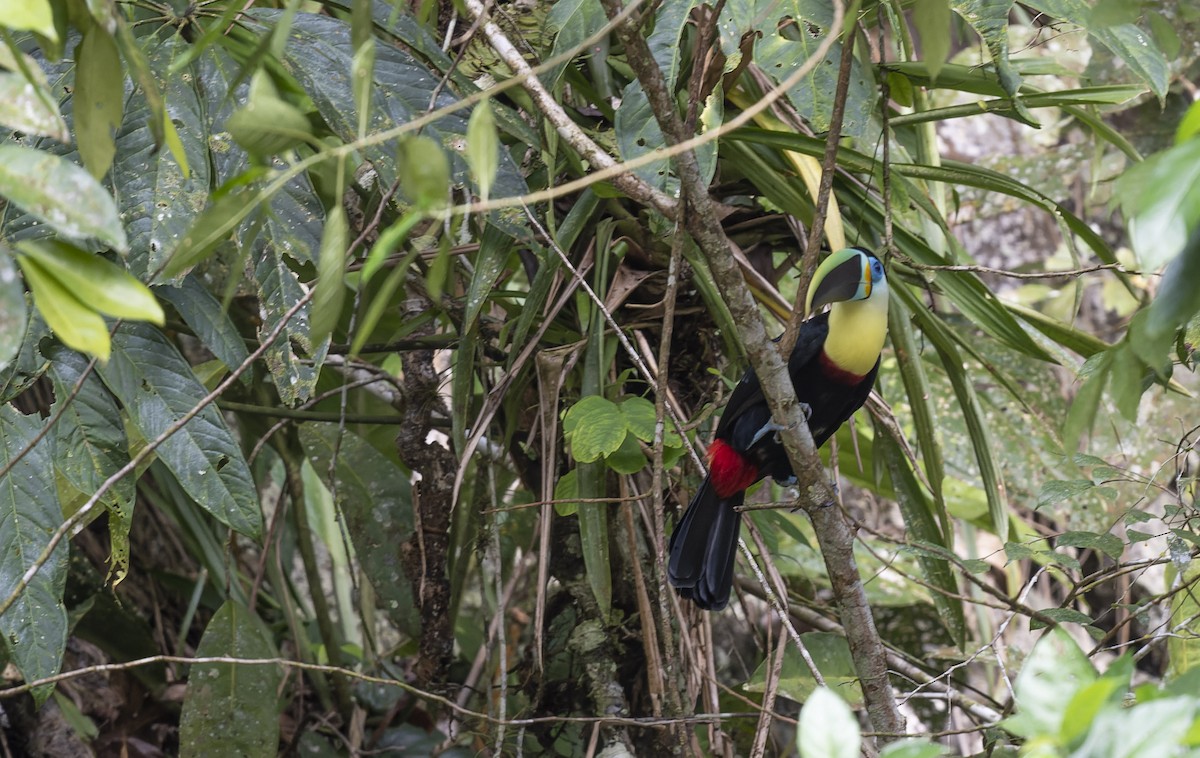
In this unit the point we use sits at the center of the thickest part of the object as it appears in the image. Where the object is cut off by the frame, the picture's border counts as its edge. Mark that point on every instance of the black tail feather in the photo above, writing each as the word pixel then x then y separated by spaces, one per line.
pixel 703 547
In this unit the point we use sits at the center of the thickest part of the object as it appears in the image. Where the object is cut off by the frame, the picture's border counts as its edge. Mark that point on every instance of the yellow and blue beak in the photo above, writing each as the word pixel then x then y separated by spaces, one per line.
pixel 849 274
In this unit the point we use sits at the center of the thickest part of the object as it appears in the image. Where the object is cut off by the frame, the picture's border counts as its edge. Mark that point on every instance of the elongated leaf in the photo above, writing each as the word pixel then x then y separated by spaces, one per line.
pixel 35 626
pixel 99 99
pixel 331 276
pixel 78 326
pixel 101 285
pixel 26 104
pixel 94 448
pixel 61 194
pixel 932 19
pixel 290 354
pixel 203 313
pixel 12 309
pixel 919 519
pixel 573 21
pixel 158 389
pixel 160 200
pixel 989 19
pixel 374 496
pixel 920 401
pixel 232 709
pixel 31 15
pixel 938 335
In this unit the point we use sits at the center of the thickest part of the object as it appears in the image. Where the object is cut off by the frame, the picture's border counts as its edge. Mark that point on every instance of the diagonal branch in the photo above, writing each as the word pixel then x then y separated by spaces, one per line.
pixel 818 499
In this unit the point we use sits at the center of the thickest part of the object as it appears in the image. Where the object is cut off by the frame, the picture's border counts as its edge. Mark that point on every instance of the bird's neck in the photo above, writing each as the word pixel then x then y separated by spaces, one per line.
pixel 857 330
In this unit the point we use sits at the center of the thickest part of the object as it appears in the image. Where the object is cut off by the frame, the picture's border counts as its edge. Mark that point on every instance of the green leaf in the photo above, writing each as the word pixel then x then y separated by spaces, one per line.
pixel 374 496
pixel 483 148
pixel 831 653
pixel 989 19
pixel 35 625
pixel 330 291
pixel 1056 491
pixel 267 124
pixel 96 446
pixel 99 99
pixel 628 458
pixel 912 747
pixel 61 194
pixel 102 285
pixel 1087 703
pixel 25 103
pixel 1109 544
pixel 1161 198
pixel 158 389
pixel 362 72
pixel 1061 616
pixel 13 313
pixel 232 709
pixel 78 326
pixel 638 134
pixel 1055 670
pixel 210 228
pixel 641 419
pixel 1183 646
pixel 828 728
pixel 211 323
pixel 424 172
pixel 29 15
pixel 594 427
pixel 573 21
pixel 566 490
pixel 294 361
pixel 932 19
pixel 1082 412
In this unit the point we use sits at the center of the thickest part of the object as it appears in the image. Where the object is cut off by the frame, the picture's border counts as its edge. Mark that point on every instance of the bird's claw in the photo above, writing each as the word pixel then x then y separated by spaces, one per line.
pixel 766 429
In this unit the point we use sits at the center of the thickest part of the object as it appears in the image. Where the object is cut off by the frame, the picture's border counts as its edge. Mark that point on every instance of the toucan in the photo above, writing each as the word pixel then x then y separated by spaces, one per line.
pixel 833 367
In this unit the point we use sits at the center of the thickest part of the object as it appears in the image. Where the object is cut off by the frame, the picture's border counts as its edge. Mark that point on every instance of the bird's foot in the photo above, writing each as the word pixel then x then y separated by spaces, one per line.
pixel 766 429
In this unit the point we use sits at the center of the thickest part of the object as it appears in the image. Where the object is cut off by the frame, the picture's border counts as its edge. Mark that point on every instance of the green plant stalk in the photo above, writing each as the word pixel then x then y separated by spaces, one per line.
pixel 291 454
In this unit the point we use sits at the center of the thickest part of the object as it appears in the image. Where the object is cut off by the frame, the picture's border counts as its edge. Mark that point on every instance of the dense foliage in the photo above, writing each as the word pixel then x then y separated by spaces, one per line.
pixel 356 358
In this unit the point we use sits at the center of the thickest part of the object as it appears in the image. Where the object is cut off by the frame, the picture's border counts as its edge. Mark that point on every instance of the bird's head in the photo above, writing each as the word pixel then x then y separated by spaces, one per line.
pixel 851 274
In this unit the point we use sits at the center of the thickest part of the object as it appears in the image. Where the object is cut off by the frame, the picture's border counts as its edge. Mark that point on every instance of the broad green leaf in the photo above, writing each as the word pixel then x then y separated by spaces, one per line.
pixel 1061 616
pixel 1183 646
pixel 831 653
pixel 1129 43
pixel 35 625
pixel 232 709
pixel 161 199
pixel 640 419
pixel 61 194
pixel 77 325
pixel 99 99
pixel 374 496
pixel 828 729
pixel 1161 198
pixel 573 21
pixel 912 747
pixel 1109 689
pixel 483 148
pixel 25 103
pixel 594 427
pixel 330 292
pixel 1057 491
pixel 211 323
pixel 29 15
pixel 424 172
pixel 13 313
pixel 94 447
pixel 932 19
pixel 293 359
pixel 989 19
pixel 155 113
pixel 628 458
pixel 100 284
pixel 566 490
pixel 669 24
pixel 778 52
pixel 210 228
pixel 158 389
pixel 1054 671
pixel 267 124
pixel 1147 730
pixel 28 365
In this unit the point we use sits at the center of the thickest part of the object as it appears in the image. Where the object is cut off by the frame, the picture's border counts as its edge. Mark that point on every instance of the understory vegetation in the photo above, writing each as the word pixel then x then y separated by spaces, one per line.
pixel 357 358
